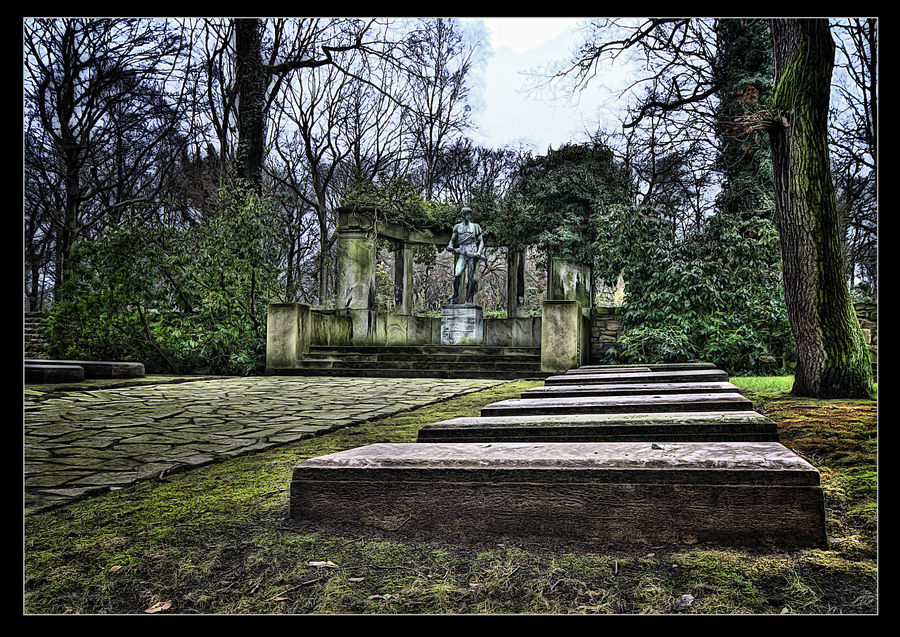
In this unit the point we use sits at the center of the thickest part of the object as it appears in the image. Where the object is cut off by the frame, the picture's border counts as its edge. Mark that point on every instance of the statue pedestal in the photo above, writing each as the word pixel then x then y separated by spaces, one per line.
pixel 462 325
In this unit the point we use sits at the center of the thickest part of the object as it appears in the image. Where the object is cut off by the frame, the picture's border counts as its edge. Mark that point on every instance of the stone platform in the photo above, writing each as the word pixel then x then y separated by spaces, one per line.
pixel 654 367
pixel 642 376
pixel 727 492
pixel 618 404
pixel 47 372
pixel 96 369
pixel 709 426
pixel 628 389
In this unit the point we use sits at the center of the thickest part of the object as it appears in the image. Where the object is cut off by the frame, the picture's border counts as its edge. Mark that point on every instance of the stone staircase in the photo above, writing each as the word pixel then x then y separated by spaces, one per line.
pixel 608 465
pixel 420 361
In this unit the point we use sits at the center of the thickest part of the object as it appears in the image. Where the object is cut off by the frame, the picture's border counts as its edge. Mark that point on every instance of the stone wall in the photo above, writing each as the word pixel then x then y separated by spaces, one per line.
pixel 867 313
pixel 606 329
pixel 33 339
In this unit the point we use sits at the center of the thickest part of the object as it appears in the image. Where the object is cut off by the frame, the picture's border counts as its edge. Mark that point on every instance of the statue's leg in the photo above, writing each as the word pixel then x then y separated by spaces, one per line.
pixel 457 279
pixel 471 284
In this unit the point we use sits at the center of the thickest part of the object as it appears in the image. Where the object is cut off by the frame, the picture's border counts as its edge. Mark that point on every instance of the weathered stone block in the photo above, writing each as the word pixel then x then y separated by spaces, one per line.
pixel 725 493
pixel 560 335
pixel 735 426
pixel 639 376
pixel 617 404
pixel 592 369
pixel 53 373
pixel 287 334
pixel 98 369
pixel 628 389
pixel 462 325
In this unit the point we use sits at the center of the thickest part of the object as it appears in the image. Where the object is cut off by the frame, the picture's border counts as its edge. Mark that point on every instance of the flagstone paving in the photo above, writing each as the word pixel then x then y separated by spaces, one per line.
pixel 80 441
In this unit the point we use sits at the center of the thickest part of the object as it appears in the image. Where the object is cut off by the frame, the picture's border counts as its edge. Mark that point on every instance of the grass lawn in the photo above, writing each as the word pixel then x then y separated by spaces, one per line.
pixel 218 540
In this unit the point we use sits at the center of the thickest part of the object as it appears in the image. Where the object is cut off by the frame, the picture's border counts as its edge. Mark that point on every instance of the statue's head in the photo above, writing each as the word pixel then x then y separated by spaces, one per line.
pixel 466 213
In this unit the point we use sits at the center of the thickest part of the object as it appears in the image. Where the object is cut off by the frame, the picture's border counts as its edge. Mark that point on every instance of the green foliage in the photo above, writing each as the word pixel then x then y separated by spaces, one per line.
pixel 714 296
pixel 560 199
pixel 182 300
pixel 399 202
pixel 863 292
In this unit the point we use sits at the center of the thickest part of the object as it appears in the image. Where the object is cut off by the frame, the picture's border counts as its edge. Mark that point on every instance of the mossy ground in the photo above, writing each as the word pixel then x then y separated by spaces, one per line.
pixel 218 540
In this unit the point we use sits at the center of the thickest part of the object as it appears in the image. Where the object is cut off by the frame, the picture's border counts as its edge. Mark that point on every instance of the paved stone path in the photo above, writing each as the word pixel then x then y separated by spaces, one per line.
pixel 83 441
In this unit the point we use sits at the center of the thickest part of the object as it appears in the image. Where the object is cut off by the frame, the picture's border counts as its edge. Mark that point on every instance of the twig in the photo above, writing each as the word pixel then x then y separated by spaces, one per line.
pixel 293 588
pixel 402 523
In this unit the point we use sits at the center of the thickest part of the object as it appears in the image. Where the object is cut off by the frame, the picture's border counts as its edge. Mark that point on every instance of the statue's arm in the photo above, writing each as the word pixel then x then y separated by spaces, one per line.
pixel 453 238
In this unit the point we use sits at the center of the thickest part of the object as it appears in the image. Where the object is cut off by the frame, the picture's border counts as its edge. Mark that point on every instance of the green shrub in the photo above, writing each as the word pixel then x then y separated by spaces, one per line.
pixel 715 295
pixel 184 300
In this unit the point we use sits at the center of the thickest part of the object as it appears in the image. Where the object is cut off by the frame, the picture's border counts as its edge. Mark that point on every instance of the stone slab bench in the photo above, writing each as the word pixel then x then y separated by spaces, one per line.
pixel 98 369
pixel 688 375
pixel 628 389
pixel 40 372
pixel 736 426
pixel 717 492
pixel 653 367
pixel 618 404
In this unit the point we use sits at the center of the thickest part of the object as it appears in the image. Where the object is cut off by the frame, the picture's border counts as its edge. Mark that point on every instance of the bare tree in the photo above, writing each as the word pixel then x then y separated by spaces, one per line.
pixel 853 137
pixel 106 100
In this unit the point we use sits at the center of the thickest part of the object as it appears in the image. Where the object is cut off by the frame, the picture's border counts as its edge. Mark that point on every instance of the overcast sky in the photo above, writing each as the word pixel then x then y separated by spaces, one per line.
pixel 509 115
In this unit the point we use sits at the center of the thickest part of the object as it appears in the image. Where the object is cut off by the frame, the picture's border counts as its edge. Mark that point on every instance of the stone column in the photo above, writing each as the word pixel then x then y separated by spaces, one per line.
pixel 287 335
pixel 562 337
pixel 403 279
pixel 515 282
pixel 356 281
pixel 567 280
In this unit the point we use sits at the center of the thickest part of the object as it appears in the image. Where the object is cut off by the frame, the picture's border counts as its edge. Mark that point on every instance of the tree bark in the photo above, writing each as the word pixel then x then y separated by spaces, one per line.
pixel 251 79
pixel 832 359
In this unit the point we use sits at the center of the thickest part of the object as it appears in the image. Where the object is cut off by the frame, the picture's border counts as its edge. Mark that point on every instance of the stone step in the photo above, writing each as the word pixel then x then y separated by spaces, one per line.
pixel 692 375
pixel 436 357
pixel 98 369
pixel 425 364
pixel 468 372
pixel 628 389
pixel 38 372
pixel 736 426
pixel 731 493
pixel 618 404
pixel 425 350
pixel 655 367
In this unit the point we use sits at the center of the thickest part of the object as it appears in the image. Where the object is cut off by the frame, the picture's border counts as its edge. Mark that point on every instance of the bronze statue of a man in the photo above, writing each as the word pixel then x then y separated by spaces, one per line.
pixel 469 241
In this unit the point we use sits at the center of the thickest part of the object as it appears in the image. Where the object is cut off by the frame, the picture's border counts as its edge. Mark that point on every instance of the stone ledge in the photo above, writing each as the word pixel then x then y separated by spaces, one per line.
pixel 733 426
pixel 642 376
pixel 732 493
pixel 618 404
pixel 628 389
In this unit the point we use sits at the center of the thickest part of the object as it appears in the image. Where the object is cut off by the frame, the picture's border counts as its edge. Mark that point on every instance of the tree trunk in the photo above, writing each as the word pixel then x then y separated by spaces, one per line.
pixel 832 359
pixel 251 80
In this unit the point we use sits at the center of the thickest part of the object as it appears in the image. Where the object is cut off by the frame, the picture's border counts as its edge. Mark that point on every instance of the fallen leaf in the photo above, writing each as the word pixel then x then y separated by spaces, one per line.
pixel 684 602
pixel 327 564
pixel 158 607
pixel 385 596
pixel 115 568
pixel 356 579
pixel 784 611
pixel 279 599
